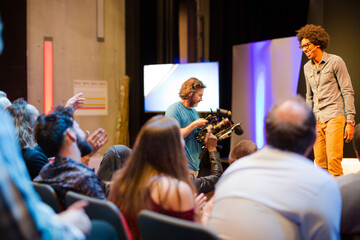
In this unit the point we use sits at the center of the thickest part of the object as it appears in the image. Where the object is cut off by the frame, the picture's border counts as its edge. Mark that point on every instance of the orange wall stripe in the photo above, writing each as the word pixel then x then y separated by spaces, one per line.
pixel 48 75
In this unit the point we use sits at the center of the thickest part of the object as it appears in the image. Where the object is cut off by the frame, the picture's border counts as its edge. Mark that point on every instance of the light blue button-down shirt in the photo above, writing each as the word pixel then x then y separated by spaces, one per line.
pixel 285 182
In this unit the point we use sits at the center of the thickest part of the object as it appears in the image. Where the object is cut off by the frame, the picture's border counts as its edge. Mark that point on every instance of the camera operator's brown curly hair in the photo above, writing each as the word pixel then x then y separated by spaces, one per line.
pixel 191 86
pixel 316 34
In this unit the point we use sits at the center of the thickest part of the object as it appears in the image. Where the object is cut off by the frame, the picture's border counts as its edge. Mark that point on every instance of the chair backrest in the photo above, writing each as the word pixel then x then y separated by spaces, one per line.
pixel 48 196
pixel 153 225
pixel 103 210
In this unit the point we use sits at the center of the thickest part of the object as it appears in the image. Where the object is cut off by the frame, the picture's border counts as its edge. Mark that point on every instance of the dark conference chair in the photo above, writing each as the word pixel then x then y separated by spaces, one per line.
pixel 102 210
pixel 157 226
pixel 48 196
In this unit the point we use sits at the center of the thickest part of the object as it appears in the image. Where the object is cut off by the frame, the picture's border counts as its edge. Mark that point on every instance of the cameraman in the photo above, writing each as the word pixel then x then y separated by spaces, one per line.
pixel 191 93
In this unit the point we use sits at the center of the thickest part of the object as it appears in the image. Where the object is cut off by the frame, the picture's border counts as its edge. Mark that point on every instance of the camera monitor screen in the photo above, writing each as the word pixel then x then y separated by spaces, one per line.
pixel 162 83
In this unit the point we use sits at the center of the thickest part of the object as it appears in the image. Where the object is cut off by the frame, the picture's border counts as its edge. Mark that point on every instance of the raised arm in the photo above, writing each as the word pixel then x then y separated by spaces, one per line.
pixel 207 183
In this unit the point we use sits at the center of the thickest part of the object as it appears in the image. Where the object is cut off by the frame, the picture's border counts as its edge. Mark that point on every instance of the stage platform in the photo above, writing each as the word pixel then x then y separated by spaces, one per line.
pixel 350 165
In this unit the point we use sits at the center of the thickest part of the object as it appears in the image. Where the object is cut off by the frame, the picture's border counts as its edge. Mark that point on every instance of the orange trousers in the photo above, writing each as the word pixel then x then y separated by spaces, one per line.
pixel 328 147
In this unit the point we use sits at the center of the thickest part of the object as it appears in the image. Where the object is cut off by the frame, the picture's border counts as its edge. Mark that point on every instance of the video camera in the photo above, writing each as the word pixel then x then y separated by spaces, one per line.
pixel 220 125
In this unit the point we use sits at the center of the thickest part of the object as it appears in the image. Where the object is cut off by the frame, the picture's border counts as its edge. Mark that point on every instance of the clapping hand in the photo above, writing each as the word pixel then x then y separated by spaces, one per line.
pixel 97 139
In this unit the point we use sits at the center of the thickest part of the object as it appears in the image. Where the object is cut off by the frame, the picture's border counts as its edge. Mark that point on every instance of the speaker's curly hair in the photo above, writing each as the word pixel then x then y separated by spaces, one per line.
pixel 316 34
pixel 191 86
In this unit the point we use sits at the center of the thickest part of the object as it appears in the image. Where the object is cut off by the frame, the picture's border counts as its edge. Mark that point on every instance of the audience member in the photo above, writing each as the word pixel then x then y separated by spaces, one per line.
pixel 23 215
pixel 277 193
pixel 350 192
pixel 59 135
pixel 156 175
pixel 97 139
pixel 24 116
pixel 242 149
pixel 4 101
pixel 206 184
pixel 113 159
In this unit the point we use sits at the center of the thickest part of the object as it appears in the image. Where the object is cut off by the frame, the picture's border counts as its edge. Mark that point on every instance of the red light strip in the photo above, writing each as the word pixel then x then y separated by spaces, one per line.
pixel 48 75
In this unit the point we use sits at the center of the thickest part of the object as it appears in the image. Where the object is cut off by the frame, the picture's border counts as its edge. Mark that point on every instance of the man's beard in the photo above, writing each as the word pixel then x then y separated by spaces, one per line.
pixel 192 102
pixel 84 147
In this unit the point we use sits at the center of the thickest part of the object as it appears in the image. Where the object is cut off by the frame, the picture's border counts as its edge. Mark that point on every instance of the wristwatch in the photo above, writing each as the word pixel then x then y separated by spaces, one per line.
pixel 351 122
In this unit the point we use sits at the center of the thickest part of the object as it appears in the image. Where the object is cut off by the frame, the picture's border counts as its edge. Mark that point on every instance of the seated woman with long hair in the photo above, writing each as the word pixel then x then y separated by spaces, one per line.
pixel 24 116
pixel 156 176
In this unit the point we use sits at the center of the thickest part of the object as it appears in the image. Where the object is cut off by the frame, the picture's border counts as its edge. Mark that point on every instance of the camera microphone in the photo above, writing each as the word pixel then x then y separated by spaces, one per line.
pixel 238 130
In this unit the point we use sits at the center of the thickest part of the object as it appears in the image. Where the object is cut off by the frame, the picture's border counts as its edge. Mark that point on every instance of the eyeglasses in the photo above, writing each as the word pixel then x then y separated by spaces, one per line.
pixel 305 46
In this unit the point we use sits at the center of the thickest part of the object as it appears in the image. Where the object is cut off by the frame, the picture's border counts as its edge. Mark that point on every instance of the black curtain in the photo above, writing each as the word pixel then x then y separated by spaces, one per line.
pixel 13 67
pixel 151 38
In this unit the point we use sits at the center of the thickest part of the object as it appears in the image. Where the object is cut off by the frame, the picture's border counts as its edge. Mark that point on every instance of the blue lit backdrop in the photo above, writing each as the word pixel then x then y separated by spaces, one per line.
pixel 263 73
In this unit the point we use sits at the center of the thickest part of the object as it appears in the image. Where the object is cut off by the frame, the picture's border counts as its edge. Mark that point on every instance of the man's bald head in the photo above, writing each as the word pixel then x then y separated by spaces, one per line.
pixel 291 112
pixel 290 126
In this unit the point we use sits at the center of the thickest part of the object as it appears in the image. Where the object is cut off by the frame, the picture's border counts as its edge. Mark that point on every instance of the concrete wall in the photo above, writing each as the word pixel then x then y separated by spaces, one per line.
pixel 77 54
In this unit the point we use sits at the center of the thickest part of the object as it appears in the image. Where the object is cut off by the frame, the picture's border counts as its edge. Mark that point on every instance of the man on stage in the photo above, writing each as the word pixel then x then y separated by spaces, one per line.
pixel 183 111
pixel 330 94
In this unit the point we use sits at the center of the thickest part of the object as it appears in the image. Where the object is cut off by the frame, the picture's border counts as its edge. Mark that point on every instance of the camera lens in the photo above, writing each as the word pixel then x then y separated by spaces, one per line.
pixel 225 123
pixel 223 112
